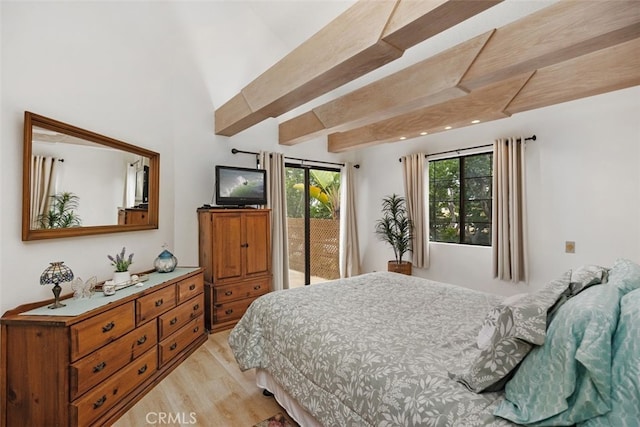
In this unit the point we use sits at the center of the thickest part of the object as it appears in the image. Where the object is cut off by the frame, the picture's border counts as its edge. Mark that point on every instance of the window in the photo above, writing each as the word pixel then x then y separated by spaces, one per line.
pixel 460 191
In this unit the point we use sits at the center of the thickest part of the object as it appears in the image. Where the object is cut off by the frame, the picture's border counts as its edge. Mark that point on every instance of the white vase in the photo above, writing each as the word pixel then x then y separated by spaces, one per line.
pixel 121 277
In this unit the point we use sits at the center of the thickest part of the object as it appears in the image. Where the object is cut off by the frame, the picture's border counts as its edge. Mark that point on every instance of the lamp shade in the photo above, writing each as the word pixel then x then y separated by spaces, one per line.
pixel 56 273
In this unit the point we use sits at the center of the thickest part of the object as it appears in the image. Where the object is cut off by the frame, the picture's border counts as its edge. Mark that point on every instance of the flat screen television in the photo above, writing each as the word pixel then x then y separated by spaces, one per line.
pixel 240 186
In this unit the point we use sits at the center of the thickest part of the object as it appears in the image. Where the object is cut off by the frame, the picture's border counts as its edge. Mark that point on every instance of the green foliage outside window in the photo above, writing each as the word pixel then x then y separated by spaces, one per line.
pixel 460 193
pixel 324 192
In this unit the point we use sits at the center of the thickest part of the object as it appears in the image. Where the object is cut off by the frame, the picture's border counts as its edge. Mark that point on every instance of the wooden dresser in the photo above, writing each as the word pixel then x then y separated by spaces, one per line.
pixel 135 216
pixel 89 362
pixel 235 252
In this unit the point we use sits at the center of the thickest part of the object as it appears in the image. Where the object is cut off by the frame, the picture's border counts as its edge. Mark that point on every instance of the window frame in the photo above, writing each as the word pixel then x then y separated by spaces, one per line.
pixel 462 199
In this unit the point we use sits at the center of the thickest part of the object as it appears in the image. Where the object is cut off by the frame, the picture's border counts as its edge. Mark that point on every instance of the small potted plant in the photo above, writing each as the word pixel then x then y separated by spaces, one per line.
pixel 121 264
pixel 396 228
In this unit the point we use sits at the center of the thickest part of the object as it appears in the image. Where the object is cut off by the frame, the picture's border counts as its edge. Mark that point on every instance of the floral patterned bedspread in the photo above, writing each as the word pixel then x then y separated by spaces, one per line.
pixel 373 350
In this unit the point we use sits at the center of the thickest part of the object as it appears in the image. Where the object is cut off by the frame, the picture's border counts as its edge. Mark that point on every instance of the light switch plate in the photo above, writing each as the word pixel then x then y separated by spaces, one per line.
pixel 570 247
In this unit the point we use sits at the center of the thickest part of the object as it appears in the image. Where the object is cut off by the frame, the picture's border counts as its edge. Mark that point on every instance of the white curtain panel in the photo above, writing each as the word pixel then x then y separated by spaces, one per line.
pixel 277 201
pixel 509 218
pixel 416 184
pixel 43 180
pixel 130 186
pixel 349 251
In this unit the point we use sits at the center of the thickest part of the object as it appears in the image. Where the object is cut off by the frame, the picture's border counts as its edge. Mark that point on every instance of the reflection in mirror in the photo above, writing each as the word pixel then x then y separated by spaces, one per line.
pixel 77 182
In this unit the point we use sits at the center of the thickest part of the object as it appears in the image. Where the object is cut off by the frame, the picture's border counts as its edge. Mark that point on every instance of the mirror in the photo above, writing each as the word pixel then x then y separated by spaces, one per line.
pixel 76 182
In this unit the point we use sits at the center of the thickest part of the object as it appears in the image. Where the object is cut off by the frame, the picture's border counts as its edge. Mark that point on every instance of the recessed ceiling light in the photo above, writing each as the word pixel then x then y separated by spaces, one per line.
pixel 423 133
pixel 403 138
pixel 447 128
pixel 475 121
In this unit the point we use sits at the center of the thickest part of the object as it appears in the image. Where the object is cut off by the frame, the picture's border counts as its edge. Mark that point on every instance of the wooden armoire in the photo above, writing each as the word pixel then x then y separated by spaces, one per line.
pixel 235 252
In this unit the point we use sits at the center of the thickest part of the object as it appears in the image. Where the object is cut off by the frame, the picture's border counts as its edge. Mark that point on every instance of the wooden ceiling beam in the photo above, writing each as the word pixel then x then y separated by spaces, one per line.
pixel 606 70
pixel 365 37
pixel 484 104
pixel 426 83
pixel 555 34
pixel 414 21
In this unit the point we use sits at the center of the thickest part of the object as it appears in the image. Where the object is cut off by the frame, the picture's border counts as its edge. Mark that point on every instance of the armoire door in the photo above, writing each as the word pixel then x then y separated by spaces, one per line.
pixel 228 246
pixel 257 228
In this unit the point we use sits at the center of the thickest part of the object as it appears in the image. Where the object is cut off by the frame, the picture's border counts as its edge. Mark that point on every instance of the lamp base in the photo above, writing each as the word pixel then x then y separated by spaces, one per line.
pixel 57 304
pixel 56 293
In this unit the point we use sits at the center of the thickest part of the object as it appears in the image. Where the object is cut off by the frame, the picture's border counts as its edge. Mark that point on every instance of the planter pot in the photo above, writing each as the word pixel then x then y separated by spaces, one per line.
pixel 403 268
pixel 120 277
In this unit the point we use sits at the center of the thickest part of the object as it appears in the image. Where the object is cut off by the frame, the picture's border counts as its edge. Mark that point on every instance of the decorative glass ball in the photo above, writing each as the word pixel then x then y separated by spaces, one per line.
pixel 165 262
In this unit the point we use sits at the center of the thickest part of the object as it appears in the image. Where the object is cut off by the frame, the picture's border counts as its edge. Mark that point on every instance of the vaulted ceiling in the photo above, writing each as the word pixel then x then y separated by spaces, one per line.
pixel 568 50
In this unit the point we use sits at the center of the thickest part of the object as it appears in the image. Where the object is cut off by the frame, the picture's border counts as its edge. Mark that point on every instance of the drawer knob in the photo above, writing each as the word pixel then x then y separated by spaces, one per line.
pixel 173 321
pixel 229 311
pixel 109 326
pixel 159 302
pixel 98 403
pixel 142 340
pixel 244 245
pixel 256 287
pixel 142 370
pixel 195 307
pixel 192 287
pixel 99 367
pixel 228 293
pixel 196 329
pixel 173 346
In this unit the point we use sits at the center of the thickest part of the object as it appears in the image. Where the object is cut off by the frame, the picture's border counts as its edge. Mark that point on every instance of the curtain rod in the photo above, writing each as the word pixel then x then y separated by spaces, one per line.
pixel 236 151
pixel 531 138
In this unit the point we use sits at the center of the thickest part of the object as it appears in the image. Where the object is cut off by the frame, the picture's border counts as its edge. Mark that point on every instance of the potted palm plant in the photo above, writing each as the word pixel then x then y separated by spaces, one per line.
pixel 62 212
pixel 396 228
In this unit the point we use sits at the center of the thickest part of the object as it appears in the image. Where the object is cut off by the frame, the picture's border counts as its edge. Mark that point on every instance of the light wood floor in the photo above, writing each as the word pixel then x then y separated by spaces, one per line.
pixel 207 389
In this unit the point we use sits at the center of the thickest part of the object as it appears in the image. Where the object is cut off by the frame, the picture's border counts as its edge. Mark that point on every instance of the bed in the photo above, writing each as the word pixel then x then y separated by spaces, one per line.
pixel 381 349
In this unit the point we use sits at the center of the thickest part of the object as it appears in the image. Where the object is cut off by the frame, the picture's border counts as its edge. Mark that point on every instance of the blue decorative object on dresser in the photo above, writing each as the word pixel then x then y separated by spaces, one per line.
pixel 165 262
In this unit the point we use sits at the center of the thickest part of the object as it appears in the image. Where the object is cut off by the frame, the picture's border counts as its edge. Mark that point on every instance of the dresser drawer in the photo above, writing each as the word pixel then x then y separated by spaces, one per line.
pixel 250 288
pixel 175 319
pixel 190 287
pixel 100 399
pixel 101 329
pixel 154 304
pixel 102 363
pixel 231 310
pixel 176 343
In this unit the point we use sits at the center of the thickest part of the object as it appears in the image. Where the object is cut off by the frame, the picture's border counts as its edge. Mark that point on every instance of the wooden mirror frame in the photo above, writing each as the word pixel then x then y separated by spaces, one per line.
pixel 30 120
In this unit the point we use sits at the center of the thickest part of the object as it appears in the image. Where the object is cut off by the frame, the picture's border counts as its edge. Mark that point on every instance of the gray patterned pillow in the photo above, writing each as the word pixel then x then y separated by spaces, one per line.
pixel 581 278
pixel 518 325
pixel 586 276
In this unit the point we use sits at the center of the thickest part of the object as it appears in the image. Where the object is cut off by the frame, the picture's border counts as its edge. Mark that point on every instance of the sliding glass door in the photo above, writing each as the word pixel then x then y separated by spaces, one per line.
pixel 313 222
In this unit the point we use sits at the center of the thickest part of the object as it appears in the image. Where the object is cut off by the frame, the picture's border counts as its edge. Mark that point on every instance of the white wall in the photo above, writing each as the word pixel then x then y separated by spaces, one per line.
pixel 222 38
pixel 93 66
pixel 583 185
pixel 147 73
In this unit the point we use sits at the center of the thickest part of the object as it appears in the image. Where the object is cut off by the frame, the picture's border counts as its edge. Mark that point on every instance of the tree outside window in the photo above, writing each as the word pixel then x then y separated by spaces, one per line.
pixel 460 197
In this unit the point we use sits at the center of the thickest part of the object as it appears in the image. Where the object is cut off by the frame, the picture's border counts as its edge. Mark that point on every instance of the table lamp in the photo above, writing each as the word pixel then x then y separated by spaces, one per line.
pixel 55 274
